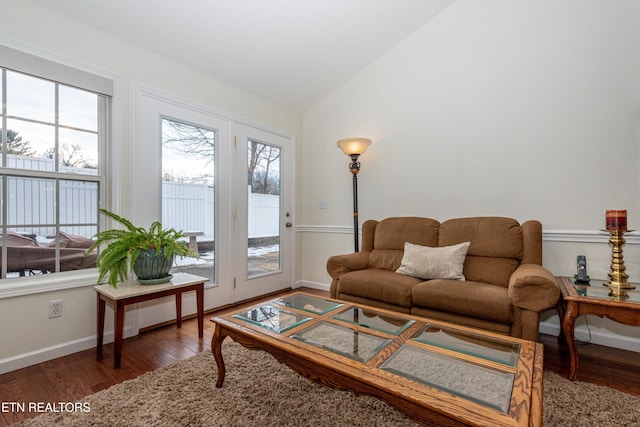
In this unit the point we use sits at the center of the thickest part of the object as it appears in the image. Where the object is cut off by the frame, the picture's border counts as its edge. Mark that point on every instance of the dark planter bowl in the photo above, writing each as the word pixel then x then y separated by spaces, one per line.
pixel 152 266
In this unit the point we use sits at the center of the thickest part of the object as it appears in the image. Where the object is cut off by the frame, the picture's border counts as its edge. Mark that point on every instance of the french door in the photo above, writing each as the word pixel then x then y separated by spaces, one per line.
pixel 262 212
pixel 226 185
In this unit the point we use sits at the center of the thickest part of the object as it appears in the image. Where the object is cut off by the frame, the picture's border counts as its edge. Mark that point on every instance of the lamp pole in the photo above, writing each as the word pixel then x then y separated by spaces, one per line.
pixel 353 147
pixel 354 166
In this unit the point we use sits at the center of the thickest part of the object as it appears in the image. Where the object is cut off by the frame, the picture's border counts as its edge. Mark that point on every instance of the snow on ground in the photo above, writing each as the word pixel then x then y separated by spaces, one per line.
pixel 208 257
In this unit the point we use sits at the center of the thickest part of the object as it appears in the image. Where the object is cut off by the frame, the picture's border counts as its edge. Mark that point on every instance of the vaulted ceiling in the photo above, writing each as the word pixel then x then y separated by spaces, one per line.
pixel 291 52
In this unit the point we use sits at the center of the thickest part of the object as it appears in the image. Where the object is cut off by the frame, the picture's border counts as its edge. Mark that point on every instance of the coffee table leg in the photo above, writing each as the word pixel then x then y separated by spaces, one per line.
pixel 568 324
pixel 216 348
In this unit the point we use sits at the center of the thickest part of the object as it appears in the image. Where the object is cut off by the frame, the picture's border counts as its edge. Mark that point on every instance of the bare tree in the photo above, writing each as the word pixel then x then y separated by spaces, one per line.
pixel 192 141
pixel 71 157
pixel 262 157
pixel 198 143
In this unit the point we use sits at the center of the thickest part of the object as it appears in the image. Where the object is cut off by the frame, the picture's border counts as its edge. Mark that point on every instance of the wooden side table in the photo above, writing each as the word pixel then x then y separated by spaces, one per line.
pixel 580 300
pixel 133 292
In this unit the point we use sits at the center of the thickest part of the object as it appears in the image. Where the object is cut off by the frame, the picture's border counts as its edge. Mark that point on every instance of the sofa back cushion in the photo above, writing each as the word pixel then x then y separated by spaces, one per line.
pixel 496 246
pixel 390 235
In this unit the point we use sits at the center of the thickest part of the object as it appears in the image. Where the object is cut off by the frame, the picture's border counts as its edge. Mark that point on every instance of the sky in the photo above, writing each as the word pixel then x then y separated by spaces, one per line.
pixel 32 102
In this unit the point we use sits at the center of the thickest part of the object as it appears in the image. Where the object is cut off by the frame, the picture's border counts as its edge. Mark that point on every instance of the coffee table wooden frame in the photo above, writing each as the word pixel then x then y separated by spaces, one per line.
pixel 426 405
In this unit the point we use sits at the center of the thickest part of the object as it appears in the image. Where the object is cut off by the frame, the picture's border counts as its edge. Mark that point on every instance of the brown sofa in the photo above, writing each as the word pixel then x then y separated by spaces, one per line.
pixel 504 288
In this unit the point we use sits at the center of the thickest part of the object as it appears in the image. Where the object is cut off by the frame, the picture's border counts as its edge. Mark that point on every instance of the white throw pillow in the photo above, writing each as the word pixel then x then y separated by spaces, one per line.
pixel 426 262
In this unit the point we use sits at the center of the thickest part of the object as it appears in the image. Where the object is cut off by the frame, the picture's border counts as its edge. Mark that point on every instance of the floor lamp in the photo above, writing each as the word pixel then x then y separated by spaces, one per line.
pixel 353 147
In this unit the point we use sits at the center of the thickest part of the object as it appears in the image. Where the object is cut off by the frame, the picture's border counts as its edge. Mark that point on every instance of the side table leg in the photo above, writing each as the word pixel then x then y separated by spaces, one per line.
pixel 117 332
pixel 216 348
pixel 100 327
pixel 179 309
pixel 200 309
pixel 560 308
pixel 568 324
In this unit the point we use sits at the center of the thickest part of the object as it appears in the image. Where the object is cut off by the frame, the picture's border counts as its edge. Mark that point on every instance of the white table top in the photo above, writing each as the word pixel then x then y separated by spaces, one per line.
pixel 132 288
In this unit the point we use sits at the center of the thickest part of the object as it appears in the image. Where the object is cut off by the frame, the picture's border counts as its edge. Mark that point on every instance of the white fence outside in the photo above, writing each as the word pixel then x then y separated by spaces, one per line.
pixel 187 207
pixel 191 207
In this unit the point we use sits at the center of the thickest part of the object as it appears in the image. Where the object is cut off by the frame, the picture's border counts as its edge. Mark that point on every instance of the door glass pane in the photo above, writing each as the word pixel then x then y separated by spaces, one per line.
pixel 188 163
pixel 263 254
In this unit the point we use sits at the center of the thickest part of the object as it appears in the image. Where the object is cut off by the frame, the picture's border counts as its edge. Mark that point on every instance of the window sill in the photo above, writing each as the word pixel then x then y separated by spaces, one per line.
pixel 10 288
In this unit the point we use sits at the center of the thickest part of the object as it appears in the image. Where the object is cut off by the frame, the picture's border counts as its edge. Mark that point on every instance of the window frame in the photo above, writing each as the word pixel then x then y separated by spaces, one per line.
pixel 37 67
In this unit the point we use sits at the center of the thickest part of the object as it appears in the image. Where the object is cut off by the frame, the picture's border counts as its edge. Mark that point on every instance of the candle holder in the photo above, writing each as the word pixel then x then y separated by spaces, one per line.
pixel 617 277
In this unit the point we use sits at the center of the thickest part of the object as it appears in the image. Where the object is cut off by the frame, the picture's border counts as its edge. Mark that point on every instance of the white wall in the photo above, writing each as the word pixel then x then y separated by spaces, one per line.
pixel 26 333
pixel 526 109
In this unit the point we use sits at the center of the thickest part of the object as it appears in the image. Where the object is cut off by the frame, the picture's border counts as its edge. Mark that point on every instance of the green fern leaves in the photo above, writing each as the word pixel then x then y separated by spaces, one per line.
pixel 124 246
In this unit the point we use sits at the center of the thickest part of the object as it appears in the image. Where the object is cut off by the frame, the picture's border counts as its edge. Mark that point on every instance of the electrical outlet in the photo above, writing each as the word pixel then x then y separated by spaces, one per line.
pixel 55 308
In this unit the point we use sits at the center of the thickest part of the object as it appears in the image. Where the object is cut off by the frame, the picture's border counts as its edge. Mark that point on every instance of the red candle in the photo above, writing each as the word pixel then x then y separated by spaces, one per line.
pixel 616 220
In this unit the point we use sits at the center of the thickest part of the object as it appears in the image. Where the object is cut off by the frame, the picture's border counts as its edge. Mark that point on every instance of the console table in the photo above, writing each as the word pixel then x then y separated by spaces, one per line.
pixel 132 292
pixel 593 298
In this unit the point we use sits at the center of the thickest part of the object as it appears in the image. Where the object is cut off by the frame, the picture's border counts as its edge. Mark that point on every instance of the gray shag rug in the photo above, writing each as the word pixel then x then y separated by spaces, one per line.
pixel 259 391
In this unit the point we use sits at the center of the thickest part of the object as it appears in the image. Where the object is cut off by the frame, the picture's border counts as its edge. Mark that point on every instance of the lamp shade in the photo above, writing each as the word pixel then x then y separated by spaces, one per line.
pixel 354 145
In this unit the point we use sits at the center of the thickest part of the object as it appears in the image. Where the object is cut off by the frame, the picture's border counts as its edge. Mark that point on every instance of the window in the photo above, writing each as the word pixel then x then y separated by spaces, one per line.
pixel 52 136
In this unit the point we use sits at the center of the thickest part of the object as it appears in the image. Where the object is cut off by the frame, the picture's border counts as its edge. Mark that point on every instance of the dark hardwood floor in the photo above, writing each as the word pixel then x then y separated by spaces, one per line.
pixel 70 378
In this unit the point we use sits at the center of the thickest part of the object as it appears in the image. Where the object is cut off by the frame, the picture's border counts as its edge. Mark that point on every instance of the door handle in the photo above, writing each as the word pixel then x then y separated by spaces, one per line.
pixel 288 224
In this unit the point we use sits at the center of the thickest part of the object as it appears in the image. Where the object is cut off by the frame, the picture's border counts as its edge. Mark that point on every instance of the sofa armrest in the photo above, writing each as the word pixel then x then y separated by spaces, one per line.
pixel 533 287
pixel 338 265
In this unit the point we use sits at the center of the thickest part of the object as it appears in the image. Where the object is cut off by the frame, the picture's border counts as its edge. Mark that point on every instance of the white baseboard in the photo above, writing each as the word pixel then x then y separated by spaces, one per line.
pixel 587 334
pixel 312 285
pixel 53 352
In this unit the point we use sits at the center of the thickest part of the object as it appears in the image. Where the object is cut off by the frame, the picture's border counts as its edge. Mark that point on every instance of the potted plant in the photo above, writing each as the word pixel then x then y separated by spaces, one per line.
pixel 148 253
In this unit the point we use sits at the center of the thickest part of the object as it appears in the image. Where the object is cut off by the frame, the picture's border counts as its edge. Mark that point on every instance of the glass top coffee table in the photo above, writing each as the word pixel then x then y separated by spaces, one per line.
pixel 436 373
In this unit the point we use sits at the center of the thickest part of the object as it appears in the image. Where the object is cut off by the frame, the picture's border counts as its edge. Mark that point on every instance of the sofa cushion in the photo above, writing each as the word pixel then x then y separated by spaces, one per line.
pixel 474 299
pixel 388 259
pixel 434 263
pixel 496 246
pixel 390 235
pixel 494 237
pixel 380 285
pixel 496 271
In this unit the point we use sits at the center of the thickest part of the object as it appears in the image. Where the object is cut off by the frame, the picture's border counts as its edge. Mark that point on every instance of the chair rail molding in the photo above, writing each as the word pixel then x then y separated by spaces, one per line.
pixel 583 236
pixel 329 229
